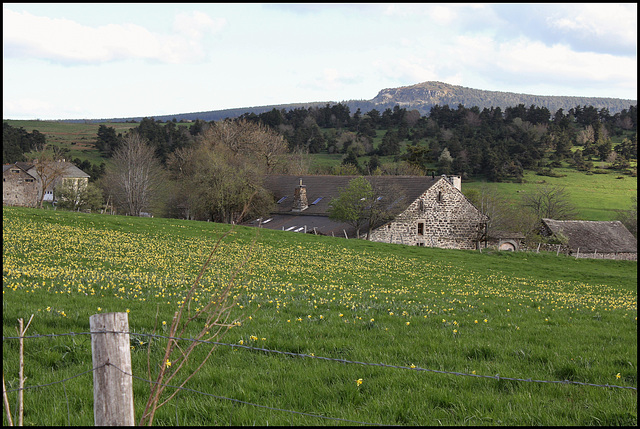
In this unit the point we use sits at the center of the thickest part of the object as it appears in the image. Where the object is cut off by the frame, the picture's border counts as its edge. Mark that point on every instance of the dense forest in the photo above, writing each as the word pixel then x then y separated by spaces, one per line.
pixel 491 143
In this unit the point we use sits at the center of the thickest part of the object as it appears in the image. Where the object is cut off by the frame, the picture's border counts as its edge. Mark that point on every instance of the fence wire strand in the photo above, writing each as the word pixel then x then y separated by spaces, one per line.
pixel 240 401
pixel 56 382
pixel 495 377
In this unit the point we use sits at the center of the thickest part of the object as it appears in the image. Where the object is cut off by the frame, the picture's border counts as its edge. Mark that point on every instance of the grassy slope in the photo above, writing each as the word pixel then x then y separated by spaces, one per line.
pixel 538 316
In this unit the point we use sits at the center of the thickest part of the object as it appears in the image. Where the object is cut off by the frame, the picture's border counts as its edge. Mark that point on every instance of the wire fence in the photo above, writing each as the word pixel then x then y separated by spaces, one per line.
pixel 271 351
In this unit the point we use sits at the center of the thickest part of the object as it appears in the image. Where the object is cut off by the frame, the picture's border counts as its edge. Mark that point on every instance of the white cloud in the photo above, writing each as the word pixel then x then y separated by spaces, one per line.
pixel 559 63
pixel 68 42
pixel 196 24
pixel 614 22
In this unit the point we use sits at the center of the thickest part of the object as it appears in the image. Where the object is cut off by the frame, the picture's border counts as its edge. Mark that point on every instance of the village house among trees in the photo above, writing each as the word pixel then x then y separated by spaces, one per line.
pixel 414 210
pixel 393 175
pixel 28 183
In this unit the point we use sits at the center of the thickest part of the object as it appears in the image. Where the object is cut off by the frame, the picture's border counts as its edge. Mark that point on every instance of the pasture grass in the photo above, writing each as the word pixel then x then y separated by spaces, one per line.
pixel 595 197
pixel 519 315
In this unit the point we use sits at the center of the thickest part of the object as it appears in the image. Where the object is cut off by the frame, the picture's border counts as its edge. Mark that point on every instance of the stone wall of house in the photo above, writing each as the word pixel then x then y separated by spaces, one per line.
pixel 449 221
pixel 19 188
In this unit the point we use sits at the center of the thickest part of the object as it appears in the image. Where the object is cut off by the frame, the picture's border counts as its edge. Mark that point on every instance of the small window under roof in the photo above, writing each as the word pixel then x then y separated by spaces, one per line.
pixel 317 200
pixel 282 199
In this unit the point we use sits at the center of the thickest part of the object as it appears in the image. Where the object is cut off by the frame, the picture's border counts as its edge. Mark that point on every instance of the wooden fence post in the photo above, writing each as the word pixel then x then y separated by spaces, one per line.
pixel 112 390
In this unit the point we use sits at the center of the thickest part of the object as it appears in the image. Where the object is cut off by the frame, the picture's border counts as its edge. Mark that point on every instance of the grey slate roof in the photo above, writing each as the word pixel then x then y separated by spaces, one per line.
pixel 321 225
pixel 328 187
pixel 321 189
pixel 70 170
pixel 595 236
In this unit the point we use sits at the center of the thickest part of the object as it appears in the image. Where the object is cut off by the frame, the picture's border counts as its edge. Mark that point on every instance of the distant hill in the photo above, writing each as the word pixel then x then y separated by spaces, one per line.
pixel 425 95
pixel 421 97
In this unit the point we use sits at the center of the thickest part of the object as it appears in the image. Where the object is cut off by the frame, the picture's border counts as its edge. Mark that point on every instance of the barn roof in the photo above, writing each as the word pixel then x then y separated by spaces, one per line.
pixel 320 225
pixel 70 170
pixel 595 236
pixel 322 188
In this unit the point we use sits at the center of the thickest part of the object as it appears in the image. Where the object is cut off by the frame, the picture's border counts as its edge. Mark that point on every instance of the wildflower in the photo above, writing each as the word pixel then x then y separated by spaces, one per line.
pixel 164 323
pixel 241 342
pixel 412 366
pixel 485 320
pixel 128 310
pixel 358 382
pixel 455 331
pixel 168 363
pixel 371 320
pixel 475 321
pixel 473 372
pixel 340 315
pixel 408 323
pixel 99 309
pixel 618 375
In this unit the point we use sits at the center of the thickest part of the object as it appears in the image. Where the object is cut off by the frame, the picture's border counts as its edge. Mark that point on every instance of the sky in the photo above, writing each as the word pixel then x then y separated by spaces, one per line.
pixel 98 61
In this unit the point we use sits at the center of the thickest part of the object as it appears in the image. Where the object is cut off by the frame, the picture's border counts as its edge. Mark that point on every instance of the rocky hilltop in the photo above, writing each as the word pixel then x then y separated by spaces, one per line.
pixel 425 95
pixel 421 97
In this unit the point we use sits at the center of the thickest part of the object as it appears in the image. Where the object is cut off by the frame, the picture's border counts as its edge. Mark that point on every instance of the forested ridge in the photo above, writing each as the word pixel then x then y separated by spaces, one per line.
pixel 213 170
pixel 492 143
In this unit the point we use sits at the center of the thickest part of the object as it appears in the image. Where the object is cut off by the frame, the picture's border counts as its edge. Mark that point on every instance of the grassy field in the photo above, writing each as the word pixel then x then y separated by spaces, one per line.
pixel 79 138
pixel 596 196
pixel 519 315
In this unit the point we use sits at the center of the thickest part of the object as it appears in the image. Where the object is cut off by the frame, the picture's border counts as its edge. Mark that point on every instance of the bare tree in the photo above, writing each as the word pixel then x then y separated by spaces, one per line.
pixel 503 215
pixel 551 202
pixel 135 176
pixel 49 166
pixel 247 139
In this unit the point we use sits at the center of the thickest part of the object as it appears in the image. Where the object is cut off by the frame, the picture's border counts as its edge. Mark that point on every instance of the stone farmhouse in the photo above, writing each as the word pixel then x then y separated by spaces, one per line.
pixel 593 239
pixel 432 210
pixel 22 185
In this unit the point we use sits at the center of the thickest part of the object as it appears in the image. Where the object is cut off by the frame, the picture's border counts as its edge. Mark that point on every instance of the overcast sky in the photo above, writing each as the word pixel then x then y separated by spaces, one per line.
pixel 91 61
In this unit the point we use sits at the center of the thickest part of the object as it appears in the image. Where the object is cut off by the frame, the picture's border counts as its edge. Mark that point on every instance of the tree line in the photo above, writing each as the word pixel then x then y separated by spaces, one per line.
pixel 213 170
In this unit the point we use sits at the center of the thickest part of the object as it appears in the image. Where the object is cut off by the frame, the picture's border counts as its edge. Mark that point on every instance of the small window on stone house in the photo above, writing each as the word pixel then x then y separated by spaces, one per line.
pixel 421 205
pixel 439 196
pixel 420 228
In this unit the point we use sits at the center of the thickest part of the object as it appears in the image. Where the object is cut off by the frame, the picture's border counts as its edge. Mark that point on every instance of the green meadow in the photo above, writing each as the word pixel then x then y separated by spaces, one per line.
pixel 449 326
pixel 595 196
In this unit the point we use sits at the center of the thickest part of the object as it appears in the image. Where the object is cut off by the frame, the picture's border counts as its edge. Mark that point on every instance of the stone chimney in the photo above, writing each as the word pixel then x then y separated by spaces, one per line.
pixel 300 202
pixel 456 181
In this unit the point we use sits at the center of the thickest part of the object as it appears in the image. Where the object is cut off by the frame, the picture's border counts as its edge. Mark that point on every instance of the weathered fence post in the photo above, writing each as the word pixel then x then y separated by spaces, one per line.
pixel 112 389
